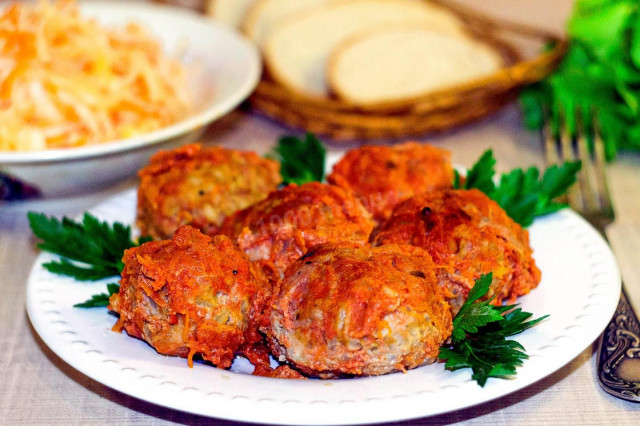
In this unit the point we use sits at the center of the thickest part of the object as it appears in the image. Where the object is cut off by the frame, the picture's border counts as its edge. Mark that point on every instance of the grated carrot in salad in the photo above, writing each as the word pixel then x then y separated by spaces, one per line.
pixel 66 81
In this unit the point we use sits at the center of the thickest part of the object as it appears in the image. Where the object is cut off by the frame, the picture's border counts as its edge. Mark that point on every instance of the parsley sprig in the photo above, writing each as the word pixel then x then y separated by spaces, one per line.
pixel 100 300
pixel 89 250
pixel 479 337
pixel 523 194
pixel 301 160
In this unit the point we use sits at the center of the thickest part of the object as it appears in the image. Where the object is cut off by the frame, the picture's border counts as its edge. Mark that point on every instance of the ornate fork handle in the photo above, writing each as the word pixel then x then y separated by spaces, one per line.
pixel 619 353
pixel 619 346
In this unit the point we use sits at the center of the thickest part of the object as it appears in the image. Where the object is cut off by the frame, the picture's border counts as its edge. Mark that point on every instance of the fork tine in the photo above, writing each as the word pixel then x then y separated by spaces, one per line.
pixel 599 166
pixel 564 144
pixel 589 177
pixel 552 150
pixel 551 153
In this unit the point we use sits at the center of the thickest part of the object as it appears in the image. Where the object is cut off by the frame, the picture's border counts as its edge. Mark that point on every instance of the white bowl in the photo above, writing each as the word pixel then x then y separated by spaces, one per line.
pixel 229 68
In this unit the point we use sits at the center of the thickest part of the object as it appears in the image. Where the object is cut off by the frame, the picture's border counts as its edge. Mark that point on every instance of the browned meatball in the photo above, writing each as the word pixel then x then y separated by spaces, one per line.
pixel 349 309
pixel 382 176
pixel 467 235
pixel 200 187
pixel 280 229
pixel 191 295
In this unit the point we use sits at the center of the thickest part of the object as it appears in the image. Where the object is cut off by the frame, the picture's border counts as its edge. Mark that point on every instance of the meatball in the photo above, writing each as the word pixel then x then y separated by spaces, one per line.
pixel 467 235
pixel 346 309
pixel 382 176
pixel 200 187
pixel 280 229
pixel 191 295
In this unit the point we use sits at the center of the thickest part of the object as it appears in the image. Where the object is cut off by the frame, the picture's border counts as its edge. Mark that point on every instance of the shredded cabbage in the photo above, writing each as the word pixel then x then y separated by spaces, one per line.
pixel 66 81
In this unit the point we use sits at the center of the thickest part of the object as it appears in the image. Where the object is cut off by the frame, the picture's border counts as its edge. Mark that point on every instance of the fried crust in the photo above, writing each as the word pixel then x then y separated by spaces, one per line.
pixel 280 229
pixel 467 234
pixel 191 295
pixel 200 187
pixel 346 309
pixel 382 176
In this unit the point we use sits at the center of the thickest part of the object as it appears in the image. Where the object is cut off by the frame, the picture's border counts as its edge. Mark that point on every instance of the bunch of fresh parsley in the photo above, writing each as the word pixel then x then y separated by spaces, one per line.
pixel 479 338
pixel 600 74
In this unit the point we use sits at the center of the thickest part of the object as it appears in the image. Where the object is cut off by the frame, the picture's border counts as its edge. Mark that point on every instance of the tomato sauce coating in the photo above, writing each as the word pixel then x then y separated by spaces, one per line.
pixel 467 234
pixel 191 295
pixel 280 229
pixel 200 186
pixel 349 309
pixel 382 176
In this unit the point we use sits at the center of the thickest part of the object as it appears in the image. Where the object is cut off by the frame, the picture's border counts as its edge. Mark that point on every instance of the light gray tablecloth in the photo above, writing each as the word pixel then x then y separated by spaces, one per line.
pixel 37 387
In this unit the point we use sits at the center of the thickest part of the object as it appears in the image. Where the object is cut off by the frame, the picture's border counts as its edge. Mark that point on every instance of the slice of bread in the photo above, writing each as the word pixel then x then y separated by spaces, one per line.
pixel 264 15
pixel 296 52
pixel 230 12
pixel 402 63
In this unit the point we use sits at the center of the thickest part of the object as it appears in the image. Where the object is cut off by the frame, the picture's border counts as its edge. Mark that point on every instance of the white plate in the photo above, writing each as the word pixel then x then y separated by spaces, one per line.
pixel 579 289
pixel 225 70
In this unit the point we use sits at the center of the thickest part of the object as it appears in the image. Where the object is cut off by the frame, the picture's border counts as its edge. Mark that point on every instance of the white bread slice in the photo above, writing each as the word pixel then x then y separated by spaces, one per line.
pixel 296 52
pixel 402 63
pixel 264 15
pixel 230 12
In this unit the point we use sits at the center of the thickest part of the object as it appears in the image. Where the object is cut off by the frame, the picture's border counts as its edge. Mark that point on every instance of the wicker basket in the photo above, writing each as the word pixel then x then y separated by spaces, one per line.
pixel 339 120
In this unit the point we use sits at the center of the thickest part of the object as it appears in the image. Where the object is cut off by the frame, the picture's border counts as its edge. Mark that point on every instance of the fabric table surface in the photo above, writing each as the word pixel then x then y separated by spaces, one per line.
pixel 39 388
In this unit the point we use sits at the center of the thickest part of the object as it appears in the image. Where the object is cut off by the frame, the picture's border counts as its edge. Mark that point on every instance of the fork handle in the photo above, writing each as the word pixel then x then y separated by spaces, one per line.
pixel 619 353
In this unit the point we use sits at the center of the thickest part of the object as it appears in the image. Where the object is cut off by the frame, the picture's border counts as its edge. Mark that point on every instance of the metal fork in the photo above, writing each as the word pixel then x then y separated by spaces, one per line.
pixel 618 356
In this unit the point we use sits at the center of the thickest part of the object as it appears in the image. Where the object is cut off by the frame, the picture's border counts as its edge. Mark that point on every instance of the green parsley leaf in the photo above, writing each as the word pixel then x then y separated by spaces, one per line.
pixel 89 250
pixel 64 266
pixel 478 315
pixel 480 175
pixel 301 160
pixel 99 300
pixel 479 336
pixel 523 194
pixel 473 315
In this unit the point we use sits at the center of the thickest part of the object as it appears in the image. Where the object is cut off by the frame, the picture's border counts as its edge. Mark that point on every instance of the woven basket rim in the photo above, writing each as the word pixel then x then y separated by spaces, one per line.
pixel 432 112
